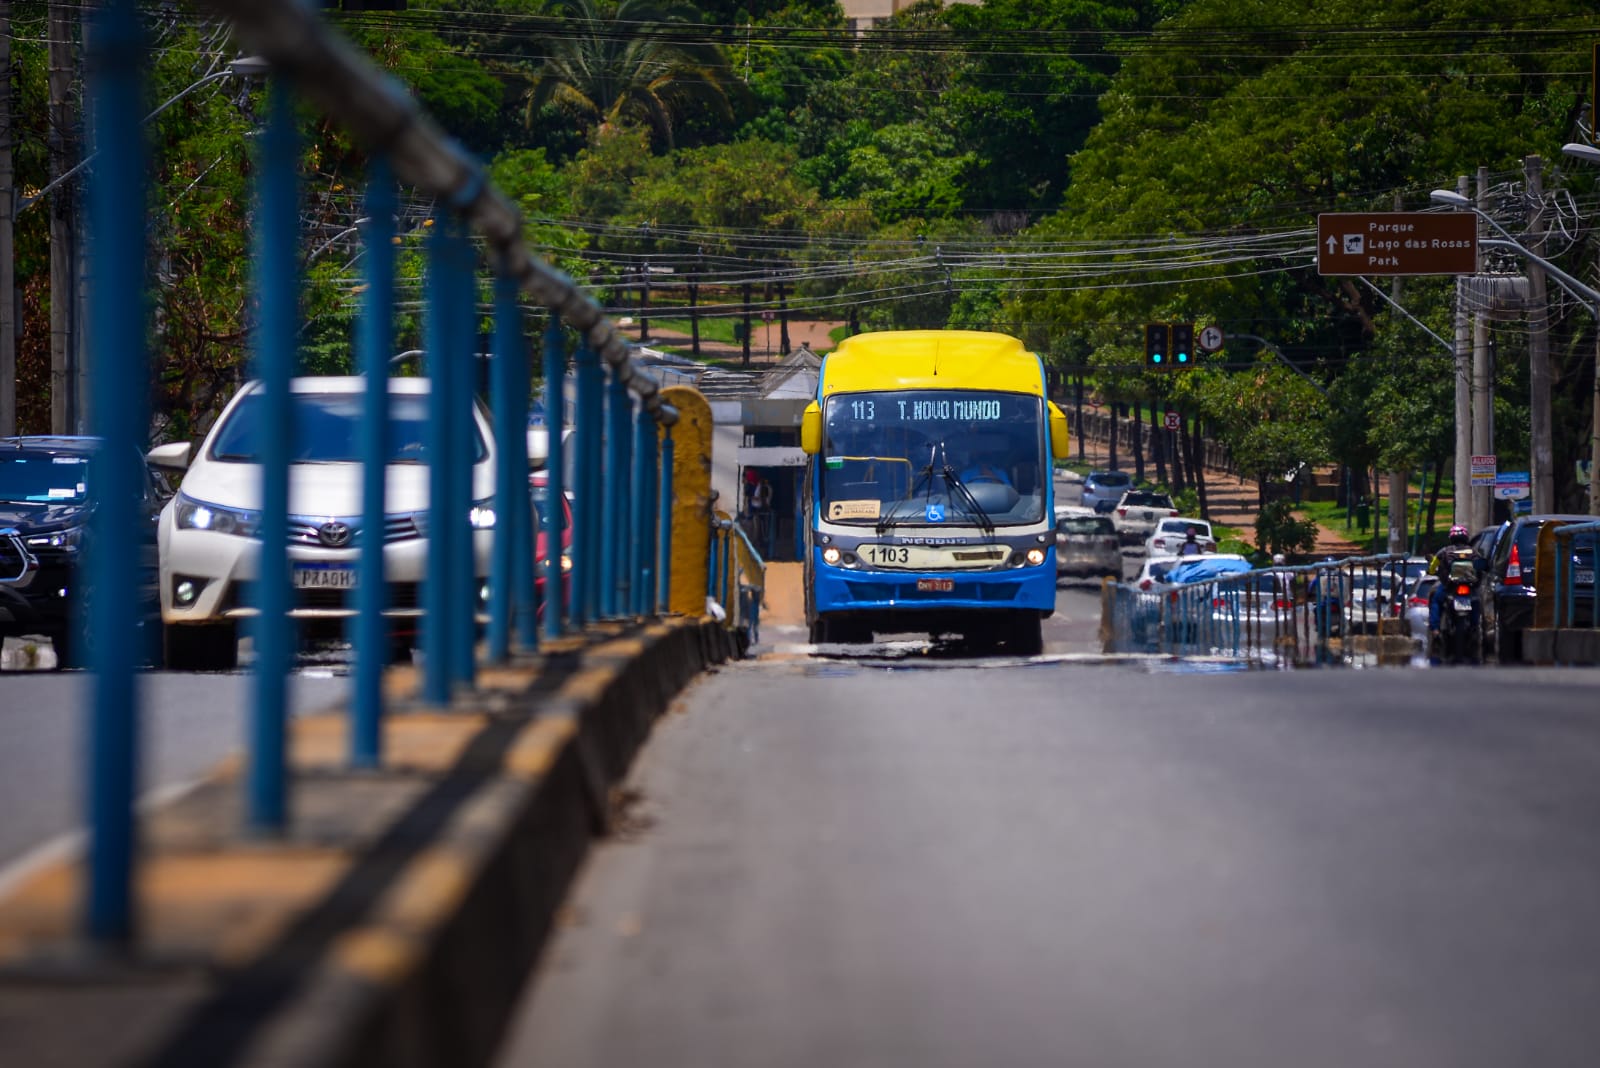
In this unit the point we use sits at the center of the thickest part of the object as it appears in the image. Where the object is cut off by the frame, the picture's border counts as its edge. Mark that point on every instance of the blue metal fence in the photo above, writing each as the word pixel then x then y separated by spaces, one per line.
pixel 1276 615
pixel 621 513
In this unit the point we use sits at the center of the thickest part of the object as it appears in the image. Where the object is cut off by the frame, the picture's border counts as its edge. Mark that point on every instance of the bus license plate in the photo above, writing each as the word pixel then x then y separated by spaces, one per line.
pixel 935 585
pixel 1583 577
pixel 324 578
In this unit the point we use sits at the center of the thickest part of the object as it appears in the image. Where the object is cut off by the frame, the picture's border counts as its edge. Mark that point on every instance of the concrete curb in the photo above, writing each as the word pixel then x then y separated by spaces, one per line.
pixel 412 951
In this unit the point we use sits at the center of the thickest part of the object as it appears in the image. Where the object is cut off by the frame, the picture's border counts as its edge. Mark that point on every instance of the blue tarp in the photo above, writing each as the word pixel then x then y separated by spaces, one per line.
pixel 1202 569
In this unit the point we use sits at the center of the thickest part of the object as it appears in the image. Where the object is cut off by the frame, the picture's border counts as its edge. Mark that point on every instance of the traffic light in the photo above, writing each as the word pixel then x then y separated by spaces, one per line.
pixel 1182 345
pixel 1155 346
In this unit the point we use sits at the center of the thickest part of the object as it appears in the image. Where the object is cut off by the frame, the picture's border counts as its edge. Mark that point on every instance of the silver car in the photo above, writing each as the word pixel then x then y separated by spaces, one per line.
pixel 1086 544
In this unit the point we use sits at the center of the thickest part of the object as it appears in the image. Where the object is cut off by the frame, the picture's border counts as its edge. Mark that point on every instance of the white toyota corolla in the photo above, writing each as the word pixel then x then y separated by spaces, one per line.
pixel 207 534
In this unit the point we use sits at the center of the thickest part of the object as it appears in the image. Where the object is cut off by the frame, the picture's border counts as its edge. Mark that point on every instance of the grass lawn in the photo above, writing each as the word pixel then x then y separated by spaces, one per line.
pixel 1331 516
pixel 719 330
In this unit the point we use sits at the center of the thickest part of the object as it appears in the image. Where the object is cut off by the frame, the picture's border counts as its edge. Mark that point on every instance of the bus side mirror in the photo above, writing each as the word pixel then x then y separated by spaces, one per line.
pixel 1060 435
pixel 811 429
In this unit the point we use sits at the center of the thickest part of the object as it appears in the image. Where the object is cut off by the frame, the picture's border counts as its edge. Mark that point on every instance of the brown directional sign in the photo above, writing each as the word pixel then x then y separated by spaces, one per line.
pixel 1397 242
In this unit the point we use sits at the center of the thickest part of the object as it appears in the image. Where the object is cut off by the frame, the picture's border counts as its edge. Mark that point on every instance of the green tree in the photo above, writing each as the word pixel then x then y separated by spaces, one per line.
pixel 613 61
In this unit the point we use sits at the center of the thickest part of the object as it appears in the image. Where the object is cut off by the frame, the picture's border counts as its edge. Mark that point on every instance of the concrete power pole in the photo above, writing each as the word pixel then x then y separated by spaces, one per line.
pixel 1482 389
pixel 63 220
pixel 1542 450
pixel 1463 473
pixel 1399 481
pixel 8 205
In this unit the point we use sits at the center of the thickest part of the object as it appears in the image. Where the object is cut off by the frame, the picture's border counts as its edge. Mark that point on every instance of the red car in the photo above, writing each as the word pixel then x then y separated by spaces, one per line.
pixel 539 487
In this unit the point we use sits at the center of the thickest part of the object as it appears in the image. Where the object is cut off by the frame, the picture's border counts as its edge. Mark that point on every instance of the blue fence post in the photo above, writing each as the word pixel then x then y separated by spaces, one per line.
pixel 586 534
pixel 377 341
pixel 644 597
pixel 511 462
pixel 664 578
pixel 615 559
pixel 640 514
pixel 118 384
pixel 435 587
pixel 461 365
pixel 555 370
pixel 277 245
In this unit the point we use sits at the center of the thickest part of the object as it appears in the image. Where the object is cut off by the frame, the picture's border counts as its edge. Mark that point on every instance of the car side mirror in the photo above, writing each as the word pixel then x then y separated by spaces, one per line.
pixel 173 456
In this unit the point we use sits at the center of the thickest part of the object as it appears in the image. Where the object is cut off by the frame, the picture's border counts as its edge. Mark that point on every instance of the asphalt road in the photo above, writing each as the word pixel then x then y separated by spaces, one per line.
pixel 189 721
pixel 833 862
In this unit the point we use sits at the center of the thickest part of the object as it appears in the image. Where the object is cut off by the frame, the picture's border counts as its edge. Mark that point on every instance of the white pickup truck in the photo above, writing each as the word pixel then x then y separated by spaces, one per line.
pixel 1137 514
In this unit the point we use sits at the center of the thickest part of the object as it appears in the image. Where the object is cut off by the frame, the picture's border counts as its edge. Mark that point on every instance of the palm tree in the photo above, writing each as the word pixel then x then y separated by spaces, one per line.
pixel 643 61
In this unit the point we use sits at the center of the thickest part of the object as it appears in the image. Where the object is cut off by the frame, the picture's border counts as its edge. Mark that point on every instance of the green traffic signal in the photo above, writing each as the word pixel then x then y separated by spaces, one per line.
pixel 1155 345
pixel 1182 343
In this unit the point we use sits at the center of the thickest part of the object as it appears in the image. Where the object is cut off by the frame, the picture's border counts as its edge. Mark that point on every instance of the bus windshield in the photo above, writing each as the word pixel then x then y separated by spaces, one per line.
pixel 933 458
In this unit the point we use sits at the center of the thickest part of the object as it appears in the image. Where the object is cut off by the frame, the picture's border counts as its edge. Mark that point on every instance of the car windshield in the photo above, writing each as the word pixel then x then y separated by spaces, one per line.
pixel 327 430
pixel 1110 479
pixel 39 478
pixel 1147 500
pixel 1086 524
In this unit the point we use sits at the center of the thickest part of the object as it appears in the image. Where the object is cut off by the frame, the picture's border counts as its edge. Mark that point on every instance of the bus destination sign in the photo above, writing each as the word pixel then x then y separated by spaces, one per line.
pixel 1397 242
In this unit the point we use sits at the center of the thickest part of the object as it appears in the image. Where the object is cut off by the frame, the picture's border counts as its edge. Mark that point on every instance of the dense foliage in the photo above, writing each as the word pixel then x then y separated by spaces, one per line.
pixel 1064 169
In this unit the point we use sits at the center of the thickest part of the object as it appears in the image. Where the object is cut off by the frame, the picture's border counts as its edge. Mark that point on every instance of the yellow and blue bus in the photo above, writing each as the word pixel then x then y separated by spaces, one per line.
pixel 929 491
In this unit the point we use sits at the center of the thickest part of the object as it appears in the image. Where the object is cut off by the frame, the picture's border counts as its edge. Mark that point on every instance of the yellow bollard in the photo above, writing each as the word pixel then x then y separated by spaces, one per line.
pixel 691 500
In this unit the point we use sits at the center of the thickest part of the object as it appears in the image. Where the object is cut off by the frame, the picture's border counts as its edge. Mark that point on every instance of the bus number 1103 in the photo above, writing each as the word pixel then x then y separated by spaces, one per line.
pixel 888 554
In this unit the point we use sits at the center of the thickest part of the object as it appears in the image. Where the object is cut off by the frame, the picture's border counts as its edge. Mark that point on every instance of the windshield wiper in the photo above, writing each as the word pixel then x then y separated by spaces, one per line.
pixel 953 480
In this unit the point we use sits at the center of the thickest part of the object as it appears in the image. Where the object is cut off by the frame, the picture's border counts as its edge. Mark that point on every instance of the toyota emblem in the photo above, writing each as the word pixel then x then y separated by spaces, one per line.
pixel 334 534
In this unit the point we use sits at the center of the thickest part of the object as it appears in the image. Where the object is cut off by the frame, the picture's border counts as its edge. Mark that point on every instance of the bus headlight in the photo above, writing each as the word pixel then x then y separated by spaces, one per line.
pixel 1035 557
pixel 830 556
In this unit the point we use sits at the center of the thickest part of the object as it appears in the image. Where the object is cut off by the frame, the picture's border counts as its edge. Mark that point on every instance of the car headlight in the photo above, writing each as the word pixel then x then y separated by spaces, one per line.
pixel 60 539
pixel 566 565
pixel 191 514
pixel 482 515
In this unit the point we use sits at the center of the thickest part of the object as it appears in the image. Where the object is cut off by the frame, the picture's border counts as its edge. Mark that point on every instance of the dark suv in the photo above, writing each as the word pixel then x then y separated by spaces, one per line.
pixel 1509 593
pixel 47 487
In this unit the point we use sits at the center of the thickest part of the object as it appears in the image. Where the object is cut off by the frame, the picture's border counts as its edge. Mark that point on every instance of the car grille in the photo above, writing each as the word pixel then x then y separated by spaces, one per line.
pixel 305 530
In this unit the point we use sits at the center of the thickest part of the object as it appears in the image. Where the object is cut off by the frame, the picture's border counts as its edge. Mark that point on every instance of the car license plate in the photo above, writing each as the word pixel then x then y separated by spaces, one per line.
pixel 1149 515
pixel 329 577
pixel 935 585
pixel 1583 576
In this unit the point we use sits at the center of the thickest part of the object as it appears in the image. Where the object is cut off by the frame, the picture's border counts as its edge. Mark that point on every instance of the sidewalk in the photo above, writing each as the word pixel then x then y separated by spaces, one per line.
pixel 1230 499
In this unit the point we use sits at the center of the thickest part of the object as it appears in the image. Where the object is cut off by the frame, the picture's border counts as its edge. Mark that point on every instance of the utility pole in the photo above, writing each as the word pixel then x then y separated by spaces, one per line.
pixel 8 203
pixel 62 31
pixel 1463 474
pixel 1541 454
pixel 1482 388
pixel 1399 481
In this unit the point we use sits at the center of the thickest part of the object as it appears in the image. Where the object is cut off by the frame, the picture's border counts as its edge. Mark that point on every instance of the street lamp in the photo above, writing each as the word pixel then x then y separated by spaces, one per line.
pixel 1579 150
pixel 1589 296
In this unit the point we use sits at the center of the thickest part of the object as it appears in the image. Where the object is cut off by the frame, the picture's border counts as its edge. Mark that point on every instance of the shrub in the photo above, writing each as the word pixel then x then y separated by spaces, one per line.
pixel 1279 531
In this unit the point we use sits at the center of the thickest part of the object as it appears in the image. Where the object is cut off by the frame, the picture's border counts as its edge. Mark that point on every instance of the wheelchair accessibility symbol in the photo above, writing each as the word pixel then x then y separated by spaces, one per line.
pixel 935 513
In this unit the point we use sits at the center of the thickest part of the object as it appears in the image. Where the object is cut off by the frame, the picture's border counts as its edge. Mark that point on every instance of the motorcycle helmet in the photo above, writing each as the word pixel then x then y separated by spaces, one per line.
pixel 1459 535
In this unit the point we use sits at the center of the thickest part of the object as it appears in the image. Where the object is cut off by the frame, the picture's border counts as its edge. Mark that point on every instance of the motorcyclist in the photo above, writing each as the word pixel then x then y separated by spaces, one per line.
pixel 1456 550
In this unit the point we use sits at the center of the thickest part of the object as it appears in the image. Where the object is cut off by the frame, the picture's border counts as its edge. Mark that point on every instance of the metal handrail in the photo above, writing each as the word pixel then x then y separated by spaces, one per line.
pixel 616 547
